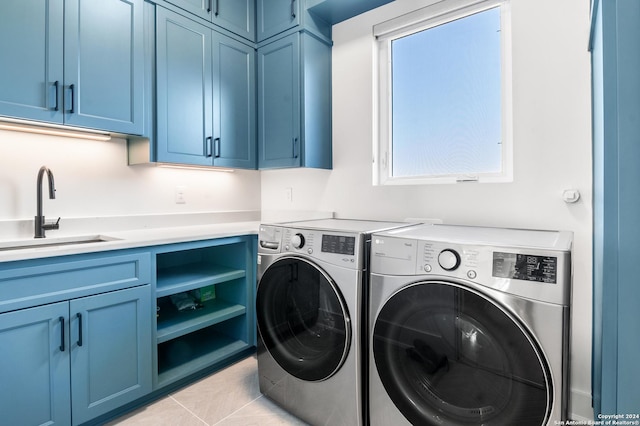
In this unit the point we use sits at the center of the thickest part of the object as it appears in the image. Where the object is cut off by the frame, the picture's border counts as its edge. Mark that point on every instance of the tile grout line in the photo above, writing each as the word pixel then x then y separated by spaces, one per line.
pixel 189 411
pixel 231 414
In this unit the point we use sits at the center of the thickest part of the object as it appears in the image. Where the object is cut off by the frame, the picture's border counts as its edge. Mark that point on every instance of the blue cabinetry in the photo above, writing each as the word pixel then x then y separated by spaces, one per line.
pixel 276 16
pixel 35 366
pixel 294 102
pixel 616 205
pixel 79 356
pixel 73 62
pixel 222 325
pixel 31 75
pixel 237 16
pixel 206 95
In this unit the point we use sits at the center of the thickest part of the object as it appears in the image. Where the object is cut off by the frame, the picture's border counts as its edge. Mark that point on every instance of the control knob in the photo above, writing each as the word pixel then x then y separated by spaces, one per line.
pixel 449 259
pixel 297 241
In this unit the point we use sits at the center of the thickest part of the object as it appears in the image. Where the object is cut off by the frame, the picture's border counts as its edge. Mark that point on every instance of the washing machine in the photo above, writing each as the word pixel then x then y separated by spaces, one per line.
pixel 312 281
pixel 469 326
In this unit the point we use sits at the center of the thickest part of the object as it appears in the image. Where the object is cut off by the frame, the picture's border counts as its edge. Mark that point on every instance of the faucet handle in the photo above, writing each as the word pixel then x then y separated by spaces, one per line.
pixel 49 226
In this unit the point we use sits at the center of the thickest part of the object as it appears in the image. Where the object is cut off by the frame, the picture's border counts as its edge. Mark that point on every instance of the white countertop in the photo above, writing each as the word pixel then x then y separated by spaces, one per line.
pixel 118 240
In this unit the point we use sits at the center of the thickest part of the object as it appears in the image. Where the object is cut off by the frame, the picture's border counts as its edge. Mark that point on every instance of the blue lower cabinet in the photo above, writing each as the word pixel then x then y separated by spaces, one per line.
pixel 111 352
pixel 68 362
pixel 34 389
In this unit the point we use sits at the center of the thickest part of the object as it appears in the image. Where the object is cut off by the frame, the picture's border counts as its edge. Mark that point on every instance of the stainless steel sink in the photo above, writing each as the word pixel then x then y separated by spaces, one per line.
pixel 53 242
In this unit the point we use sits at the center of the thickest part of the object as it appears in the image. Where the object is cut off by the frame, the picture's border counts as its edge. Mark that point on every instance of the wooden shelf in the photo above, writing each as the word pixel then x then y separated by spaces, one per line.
pixel 173 324
pixel 188 277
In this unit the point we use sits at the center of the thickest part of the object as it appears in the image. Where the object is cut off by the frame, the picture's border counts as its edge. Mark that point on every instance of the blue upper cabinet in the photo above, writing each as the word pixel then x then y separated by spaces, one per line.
pixel 74 62
pixel 234 106
pixel 32 33
pixel 184 90
pixel 206 95
pixel 294 107
pixel 237 16
pixel 279 106
pixel 103 62
pixel 276 16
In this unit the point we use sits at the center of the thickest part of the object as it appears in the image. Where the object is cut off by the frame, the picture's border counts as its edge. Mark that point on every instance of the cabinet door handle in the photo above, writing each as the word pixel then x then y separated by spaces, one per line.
pixel 207 146
pixel 56 85
pixel 79 315
pixel 216 147
pixel 293 9
pixel 217 12
pixel 61 319
pixel 295 147
pixel 73 98
pixel 209 6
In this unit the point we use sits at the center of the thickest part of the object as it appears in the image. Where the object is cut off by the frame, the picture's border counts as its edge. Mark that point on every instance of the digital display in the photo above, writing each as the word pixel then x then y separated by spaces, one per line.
pixel 543 269
pixel 338 244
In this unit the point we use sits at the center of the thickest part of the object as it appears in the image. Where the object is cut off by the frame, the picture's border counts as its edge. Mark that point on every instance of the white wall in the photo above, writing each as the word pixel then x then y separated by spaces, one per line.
pixel 93 179
pixel 552 150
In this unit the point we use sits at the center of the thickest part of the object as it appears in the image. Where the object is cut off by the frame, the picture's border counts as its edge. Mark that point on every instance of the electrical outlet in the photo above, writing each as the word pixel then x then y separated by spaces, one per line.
pixel 288 194
pixel 180 195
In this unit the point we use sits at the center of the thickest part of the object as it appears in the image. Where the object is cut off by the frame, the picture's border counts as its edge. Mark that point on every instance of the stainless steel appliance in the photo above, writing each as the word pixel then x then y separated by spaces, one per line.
pixel 469 326
pixel 311 280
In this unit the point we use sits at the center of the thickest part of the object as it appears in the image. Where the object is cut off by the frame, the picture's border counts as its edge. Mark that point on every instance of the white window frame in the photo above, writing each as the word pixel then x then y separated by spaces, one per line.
pixel 439 13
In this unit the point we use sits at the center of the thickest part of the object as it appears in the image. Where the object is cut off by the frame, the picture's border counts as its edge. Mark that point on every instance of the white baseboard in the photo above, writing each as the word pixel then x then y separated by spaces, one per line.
pixel 580 408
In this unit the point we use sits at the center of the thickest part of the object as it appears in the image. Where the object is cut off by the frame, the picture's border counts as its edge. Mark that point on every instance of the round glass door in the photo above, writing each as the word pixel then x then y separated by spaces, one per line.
pixel 302 319
pixel 447 355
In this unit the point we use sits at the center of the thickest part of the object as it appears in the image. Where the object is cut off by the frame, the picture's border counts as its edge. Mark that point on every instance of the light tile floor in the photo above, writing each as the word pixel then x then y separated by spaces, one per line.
pixel 229 397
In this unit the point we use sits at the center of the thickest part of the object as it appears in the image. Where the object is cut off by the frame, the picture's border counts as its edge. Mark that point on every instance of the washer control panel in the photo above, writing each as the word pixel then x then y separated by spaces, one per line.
pixel 454 260
pixel 531 272
pixel 337 247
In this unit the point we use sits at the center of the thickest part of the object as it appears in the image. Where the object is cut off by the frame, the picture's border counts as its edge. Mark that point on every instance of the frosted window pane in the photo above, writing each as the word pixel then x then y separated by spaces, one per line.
pixel 446 99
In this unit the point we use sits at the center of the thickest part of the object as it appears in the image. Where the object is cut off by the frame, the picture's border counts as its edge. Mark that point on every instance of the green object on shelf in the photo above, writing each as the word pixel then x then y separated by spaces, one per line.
pixel 205 293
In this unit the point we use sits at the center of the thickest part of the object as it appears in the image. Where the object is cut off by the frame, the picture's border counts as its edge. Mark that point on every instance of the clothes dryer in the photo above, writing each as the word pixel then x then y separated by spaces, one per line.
pixel 469 326
pixel 312 278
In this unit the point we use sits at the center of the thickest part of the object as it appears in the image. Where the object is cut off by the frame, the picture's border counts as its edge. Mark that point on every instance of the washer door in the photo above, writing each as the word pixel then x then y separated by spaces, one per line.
pixel 447 355
pixel 302 319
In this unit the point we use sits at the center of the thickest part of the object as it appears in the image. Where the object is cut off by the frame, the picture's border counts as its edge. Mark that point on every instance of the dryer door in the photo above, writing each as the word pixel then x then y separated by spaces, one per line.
pixel 302 319
pixel 448 355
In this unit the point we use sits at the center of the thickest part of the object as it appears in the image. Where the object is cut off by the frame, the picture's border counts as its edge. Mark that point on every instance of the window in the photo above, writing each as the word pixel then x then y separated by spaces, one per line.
pixel 444 100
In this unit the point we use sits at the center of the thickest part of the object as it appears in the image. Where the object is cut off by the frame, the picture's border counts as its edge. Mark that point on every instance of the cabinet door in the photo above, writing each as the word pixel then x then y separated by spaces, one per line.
pixel 279 103
pixel 34 389
pixel 276 16
pixel 103 64
pixel 237 16
pixel 201 8
pixel 111 351
pixel 184 90
pixel 234 103
pixel 31 46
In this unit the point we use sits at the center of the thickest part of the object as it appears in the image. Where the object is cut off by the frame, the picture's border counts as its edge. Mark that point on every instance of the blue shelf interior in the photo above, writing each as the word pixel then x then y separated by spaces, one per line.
pixel 191 340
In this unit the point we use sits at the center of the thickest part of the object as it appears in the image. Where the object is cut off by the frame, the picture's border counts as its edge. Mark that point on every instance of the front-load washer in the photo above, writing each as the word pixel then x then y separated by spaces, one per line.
pixel 469 326
pixel 309 306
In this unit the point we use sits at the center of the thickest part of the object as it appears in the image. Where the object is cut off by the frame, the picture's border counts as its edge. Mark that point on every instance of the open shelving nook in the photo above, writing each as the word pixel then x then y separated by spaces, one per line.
pixel 211 328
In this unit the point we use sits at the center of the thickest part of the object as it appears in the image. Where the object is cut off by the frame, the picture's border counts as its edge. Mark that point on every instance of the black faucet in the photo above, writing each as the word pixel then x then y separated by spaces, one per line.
pixel 40 225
